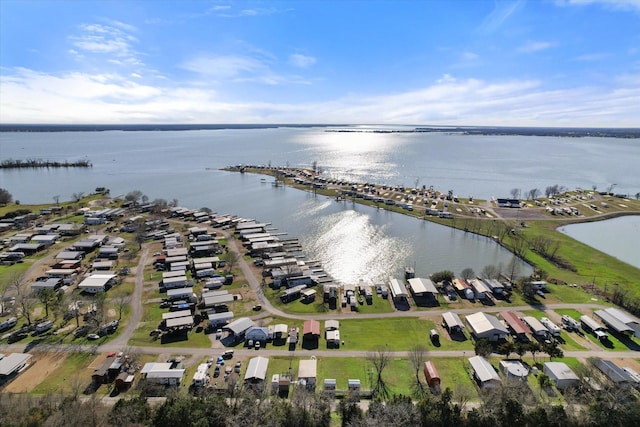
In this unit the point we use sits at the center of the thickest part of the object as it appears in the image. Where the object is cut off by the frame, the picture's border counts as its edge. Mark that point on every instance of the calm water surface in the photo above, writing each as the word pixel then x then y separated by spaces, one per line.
pixel 618 237
pixel 352 241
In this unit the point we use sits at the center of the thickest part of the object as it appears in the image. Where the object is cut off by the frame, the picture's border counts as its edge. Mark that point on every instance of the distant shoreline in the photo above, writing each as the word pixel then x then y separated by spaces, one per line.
pixel 573 132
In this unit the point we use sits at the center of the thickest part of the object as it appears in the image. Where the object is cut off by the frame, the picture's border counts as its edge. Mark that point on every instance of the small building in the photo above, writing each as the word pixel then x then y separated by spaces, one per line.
pixel 239 326
pixel 280 331
pixel 52 283
pixel 398 290
pixel 124 381
pixel 561 375
pixel 12 365
pixel 217 319
pixel 614 373
pixel 590 325
pixel 179 280
pixel 97 283
pixel 431 374
pixel 257 333
pixel 518 328
pixel 452 322
pixel 162 373
pixel 422 287
pixel 307 373
pixel 180 294
pixel 101 374
pixel 483 372
pixel 311 328
pixel 330 325
pixel 514 369
pixel 480 290
pixel 537 328
pixel 613 323
pixel 308 295
pixel 329 385
pixel 627 319
pixel 256 371
pixel 484 325
pixel 353 385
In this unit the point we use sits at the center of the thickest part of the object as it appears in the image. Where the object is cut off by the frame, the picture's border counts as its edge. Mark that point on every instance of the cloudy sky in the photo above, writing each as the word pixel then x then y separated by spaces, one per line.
pixel 466 62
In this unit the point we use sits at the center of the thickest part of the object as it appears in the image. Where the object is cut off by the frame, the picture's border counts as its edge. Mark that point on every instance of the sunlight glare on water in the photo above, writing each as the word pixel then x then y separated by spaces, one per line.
pixel 352 248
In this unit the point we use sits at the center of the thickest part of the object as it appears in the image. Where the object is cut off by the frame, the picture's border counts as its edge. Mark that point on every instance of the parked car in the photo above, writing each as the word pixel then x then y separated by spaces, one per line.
pixel 93 337
pixel 228 354
pixel 257 346
pixel 237 367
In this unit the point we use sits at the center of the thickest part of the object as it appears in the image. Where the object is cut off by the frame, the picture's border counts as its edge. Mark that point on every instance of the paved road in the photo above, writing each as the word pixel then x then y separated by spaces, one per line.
pixel 136 303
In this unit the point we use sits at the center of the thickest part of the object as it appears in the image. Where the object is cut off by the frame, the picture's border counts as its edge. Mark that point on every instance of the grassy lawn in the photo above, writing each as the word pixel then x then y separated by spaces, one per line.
pixel 71 373
pixel 397 334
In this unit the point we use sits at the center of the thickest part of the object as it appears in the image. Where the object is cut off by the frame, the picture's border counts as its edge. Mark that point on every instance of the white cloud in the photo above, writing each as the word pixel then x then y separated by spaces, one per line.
pixel 113 42
pixel 240 69
pixel 499 15
pixel 535 46
pixel 223 67
pixel 27 96
pixel 301 61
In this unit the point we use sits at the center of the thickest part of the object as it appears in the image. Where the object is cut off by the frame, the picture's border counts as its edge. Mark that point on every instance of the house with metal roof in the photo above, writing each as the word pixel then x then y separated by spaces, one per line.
pixel 307 373
pixel 422 287
pixel 97 283
pixel 256 370
pixel 161 373
pixel 614 373
pixel 590 325
pixel 12 365
pixel 398 290
pixel 483 372
pixel 452 322
pixel 561 375
pixel 613 323
pixel 537 328
pixel 239 326
pixel 515 324
pixel 483 325
pixel 626 318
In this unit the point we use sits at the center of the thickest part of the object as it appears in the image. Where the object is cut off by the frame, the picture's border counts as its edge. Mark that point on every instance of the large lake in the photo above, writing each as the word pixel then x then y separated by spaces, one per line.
pixel 618 237
pixel 352 241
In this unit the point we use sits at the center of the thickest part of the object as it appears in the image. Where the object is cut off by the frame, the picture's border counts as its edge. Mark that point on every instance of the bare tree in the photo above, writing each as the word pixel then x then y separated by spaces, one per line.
pixel 490 272
pixel 56 199
pixel 121 302
pixel 133 196
pixel 417 356
pixel 468 273
pixel 231 260
pixel 533 193
pixel 48 297
pixel 77 196
pixel 379 359
pixel 515 192
pixel 25 303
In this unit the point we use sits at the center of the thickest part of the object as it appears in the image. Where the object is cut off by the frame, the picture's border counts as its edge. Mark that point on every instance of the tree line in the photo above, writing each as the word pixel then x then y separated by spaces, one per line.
pixel 39 163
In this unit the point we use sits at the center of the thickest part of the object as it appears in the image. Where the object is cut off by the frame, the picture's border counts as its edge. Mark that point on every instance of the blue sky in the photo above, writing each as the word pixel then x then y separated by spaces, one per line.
pixel 456 62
